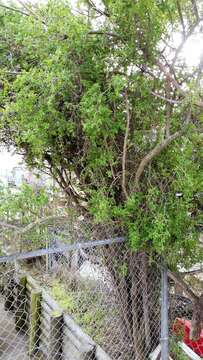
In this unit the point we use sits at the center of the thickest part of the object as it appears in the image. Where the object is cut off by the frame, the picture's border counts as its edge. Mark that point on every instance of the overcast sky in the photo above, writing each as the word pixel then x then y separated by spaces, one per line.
pixel 8 160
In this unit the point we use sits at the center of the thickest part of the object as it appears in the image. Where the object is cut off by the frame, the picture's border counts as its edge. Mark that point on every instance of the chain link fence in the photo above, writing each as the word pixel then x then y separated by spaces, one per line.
pixel 78 297
pixel 111 295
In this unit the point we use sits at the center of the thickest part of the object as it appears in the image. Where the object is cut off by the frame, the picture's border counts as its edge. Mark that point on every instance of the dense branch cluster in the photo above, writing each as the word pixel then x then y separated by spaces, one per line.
pixel 104 101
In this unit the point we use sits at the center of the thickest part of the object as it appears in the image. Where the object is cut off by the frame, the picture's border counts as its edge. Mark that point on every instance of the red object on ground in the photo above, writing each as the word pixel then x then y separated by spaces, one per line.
pixel 181 327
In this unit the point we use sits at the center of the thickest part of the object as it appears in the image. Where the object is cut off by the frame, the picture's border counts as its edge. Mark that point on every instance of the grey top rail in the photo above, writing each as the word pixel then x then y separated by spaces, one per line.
pixel 58 250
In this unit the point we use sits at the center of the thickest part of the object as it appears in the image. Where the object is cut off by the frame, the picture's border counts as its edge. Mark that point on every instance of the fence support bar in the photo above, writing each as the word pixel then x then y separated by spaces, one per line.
pixel 164 314
pixel 59 250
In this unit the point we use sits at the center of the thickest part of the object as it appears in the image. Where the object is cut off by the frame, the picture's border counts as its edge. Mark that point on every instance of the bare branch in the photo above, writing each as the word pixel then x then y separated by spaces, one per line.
pixel 9 226
pixel 168 75
pixel 28 8
pixel 40 222
pixel 170 101
pixel 14 9
pixel 30 13
pixel 20 231
pixel 110 162
pixel 151 155
pixel 191 272
pixel 169 109
pixel 157 150
pixel 99 11
pixel 181 18
pixel 199 104
pixel 199 71
pixel 197 319
pixel 178 280
pixel 80 12
pixel 103 33
pixel 195 9
pixel 125 146
pixel 145 70
pixel 173 81
pixel 185 38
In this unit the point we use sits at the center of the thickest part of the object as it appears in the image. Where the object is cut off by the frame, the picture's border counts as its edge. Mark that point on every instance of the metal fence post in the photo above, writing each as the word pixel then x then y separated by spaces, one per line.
pixel 164 314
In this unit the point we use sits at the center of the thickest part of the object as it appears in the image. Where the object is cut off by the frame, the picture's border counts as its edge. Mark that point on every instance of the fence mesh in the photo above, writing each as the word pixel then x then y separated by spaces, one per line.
pixel 95 302
pixel 111 294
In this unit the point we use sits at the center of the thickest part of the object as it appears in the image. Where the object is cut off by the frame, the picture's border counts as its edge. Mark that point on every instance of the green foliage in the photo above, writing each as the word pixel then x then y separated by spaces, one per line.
pixel 25 201
pixel 176 351
pixel 67 94
pixel 83 306
pixel 100 206
pixel 21 207
pixel 65 300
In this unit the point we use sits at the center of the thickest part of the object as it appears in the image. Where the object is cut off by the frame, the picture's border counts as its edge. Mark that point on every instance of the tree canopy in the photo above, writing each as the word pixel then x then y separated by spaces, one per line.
pixel 103 99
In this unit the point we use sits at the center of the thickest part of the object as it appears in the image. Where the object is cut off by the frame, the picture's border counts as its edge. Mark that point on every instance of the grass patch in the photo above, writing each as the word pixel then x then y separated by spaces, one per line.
pixel 85 308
